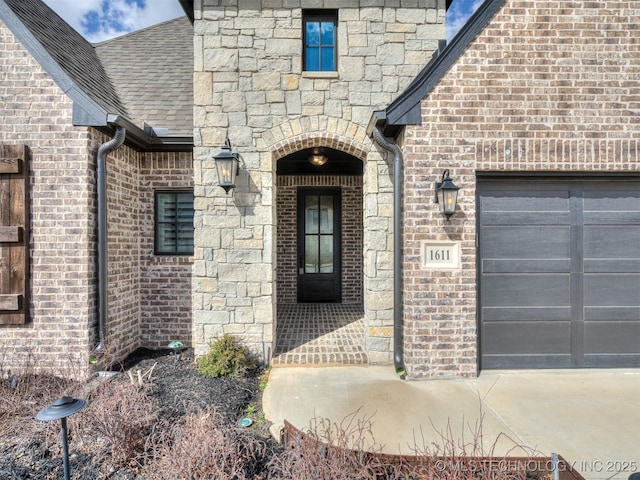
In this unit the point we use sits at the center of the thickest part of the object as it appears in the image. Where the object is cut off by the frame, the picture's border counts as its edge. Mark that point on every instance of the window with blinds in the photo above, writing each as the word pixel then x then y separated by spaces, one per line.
pixel 174 223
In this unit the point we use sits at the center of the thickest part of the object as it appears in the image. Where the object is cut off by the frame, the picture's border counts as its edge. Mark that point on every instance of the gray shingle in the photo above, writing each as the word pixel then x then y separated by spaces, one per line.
pixel 152 70
pixel 70 50
pixel 145 77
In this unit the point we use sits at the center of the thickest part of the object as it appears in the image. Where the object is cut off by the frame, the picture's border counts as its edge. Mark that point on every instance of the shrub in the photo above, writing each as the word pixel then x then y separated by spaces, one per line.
pixel 200 446
pixel 227 358
pixel 123 414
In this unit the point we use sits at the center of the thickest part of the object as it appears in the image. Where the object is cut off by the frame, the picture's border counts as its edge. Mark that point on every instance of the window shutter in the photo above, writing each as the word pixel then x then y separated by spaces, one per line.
pixel 14 234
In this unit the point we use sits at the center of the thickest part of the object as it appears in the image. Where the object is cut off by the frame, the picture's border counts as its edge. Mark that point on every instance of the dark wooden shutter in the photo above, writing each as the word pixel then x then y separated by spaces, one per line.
pixel 14 234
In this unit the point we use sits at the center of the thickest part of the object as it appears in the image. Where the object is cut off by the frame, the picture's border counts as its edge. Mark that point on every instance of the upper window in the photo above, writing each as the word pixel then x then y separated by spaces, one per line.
pixel 320 39
pixel 174 223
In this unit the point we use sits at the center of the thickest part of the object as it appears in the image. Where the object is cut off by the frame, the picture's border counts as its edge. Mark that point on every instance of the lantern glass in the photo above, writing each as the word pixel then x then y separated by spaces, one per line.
pixel 227 164
pixel 447 195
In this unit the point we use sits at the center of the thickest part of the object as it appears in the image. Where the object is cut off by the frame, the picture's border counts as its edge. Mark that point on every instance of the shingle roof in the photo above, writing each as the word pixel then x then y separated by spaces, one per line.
pixel 70 51
pixel 152 70
pixel 142 78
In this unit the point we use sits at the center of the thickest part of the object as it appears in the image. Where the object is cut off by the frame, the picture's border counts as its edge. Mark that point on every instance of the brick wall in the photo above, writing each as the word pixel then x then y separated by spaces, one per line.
pixel 149 297
pixel 165 280
pixel 546 87
pixel 35 112
pixel 286 204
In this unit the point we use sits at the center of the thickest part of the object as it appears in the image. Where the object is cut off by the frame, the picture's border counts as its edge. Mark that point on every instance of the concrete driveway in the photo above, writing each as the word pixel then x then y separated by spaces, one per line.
pixel 590 417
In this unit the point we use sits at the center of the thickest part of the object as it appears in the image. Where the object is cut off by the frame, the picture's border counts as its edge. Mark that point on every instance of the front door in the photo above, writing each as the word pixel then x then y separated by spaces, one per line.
pixel 319 245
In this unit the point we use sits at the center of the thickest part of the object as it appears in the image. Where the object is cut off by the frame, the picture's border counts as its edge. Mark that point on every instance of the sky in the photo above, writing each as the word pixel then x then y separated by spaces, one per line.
pixel 99 20
pixel 458 14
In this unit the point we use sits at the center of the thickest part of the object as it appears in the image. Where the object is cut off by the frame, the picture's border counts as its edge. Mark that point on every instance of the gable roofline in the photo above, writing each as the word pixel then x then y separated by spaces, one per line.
pixel 86 111
pixel 187 6
pixel 405 109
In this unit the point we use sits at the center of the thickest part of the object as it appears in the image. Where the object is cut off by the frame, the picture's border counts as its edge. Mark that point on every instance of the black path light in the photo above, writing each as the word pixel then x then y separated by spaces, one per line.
pixel 228 166
pixel 61 409
pixel 447 195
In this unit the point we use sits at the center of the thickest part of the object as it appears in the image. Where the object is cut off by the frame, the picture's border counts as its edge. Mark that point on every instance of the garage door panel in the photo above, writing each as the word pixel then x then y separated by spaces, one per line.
pixel 526 314
pixel 621 241
pixel 525 290
pixel 526 361
pixel 526 266
pixel 613 337
pixel 611 218
pixel 517 338
pixel 559 277
pixel 611 197
pixel 525 198
pixel 603 265
pixel 541 242
pixel 526 218
pixel 631 360
pixel 611 290
pixel 611 314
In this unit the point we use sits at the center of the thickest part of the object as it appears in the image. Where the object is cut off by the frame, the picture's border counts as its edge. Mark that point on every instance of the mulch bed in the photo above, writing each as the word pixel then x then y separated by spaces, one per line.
pixel 32 450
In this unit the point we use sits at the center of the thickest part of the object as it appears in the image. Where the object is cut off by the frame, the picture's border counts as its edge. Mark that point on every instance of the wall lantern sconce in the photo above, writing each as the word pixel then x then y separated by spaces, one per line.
pixel 228 166
pixel 60 409
pixel 447 195
pixel 317 157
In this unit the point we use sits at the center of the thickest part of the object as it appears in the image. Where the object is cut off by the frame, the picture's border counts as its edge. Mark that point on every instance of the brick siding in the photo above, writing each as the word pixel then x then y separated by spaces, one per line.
pixel 165 288
pixel 546 87
pixel 149 298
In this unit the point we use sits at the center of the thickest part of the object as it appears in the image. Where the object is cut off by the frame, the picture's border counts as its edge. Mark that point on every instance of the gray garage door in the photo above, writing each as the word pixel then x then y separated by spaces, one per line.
pixel 559 265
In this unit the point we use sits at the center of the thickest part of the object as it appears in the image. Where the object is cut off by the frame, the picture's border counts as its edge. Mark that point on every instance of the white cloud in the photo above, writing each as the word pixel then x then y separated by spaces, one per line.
pixel 458 15
pixel 99 20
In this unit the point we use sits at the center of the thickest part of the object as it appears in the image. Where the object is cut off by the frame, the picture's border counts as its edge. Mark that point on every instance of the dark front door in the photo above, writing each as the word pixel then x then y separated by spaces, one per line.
pixel 319 246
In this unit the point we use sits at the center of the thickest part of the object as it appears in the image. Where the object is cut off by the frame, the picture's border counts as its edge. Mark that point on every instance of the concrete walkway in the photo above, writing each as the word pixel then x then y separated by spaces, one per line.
pixel 590 417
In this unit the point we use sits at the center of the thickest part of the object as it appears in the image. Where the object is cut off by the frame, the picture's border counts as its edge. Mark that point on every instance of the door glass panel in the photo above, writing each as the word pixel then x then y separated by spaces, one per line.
pixel 326 214
pixel 318 246
pixel 311 215
pixel 326 254
pixel 311 254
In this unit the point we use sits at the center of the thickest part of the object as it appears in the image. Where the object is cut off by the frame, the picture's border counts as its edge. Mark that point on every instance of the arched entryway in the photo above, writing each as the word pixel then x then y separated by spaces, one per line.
pixel 319 276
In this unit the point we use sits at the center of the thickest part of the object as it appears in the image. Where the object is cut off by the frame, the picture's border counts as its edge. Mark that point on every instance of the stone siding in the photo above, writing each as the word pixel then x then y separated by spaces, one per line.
pixel 546 87
pixel 249 86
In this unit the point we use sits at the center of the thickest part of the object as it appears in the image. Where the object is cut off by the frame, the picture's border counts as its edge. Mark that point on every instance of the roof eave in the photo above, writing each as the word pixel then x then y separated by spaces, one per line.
pixel 138 139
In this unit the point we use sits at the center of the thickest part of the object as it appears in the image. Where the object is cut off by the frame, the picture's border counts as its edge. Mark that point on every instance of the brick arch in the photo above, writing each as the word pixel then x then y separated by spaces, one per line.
pixel 318 132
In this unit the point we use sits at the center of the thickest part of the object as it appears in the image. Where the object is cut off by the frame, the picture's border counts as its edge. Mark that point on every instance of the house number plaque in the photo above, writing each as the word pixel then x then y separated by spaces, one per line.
pixel 441 255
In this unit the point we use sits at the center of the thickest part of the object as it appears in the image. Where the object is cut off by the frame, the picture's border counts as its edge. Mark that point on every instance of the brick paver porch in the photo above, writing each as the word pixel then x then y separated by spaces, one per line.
pixel 320 334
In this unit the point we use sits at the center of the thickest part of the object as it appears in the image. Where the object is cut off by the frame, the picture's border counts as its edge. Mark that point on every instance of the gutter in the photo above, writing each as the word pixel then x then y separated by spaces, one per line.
pixel 398 324
pixel 103 250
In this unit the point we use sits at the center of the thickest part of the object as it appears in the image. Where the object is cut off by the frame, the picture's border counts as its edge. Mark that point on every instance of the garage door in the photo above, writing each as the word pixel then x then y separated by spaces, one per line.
pixel 559 274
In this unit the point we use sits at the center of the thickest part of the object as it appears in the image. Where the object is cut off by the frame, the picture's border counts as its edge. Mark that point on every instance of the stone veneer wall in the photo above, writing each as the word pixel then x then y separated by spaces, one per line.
pixel 287 236
pixel 546 87
pixel 249 85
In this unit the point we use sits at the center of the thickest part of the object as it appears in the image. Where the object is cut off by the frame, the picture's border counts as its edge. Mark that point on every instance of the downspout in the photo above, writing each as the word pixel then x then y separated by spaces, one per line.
pixel 398 324
pixel 103 260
